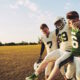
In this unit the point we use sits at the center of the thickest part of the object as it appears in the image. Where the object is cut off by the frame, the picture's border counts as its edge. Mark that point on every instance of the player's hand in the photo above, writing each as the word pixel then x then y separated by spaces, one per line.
pixel 39 60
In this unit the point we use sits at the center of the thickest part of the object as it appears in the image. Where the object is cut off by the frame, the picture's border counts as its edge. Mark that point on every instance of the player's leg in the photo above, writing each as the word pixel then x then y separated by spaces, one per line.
pixel 70 71
pixel 49 58
pixel 52 56
pixel 63 71
pixel 48 69
pixel 66 57
pixel 63 68
pixel 77 64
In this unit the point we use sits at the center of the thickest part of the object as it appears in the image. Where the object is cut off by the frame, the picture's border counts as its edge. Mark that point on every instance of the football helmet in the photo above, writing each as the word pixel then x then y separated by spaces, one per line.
pixel 32 77
pixel 59 22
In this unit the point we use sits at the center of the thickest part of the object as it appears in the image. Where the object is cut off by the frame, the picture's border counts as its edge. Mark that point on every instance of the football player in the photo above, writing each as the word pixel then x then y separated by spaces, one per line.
pixel 49 39
pixel 74 23
pixel 64 49
pixel 65 43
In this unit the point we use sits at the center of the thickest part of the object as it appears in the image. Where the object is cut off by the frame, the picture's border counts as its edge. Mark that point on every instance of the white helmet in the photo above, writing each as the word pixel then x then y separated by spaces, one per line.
pixel 59 22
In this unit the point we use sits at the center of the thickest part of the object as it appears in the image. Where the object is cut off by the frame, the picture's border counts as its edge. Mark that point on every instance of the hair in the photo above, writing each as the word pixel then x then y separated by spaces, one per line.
pixel 72 15
pixel 43 26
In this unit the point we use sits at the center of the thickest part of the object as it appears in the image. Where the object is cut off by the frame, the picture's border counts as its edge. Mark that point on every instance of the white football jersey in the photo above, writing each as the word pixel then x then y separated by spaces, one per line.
pixel 65 38
pixel 50 41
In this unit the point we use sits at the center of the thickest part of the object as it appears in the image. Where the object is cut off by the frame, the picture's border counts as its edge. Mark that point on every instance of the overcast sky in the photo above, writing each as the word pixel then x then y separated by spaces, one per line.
pixel 20 20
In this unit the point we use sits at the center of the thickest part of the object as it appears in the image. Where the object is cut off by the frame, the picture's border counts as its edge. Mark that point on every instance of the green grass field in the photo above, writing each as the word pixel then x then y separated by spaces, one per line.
pixel 16 62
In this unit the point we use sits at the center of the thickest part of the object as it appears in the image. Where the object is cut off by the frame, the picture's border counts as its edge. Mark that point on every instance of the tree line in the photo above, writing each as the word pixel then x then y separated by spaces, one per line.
pixel 21 43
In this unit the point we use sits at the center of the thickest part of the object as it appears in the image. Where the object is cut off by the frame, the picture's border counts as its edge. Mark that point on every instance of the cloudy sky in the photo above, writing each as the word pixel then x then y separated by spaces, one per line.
pixel 20 20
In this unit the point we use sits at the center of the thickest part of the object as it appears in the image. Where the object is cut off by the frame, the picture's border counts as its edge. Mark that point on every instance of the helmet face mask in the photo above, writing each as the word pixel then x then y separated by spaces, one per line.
pixel 60 23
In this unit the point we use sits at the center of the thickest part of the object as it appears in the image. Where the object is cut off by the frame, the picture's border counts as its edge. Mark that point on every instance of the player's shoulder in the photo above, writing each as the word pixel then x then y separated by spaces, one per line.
pixel 55 32
pixel 66 27
pixel 43 37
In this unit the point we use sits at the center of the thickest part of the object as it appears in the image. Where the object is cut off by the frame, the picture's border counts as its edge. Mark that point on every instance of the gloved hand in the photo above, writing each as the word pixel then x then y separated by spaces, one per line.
pixel 39 60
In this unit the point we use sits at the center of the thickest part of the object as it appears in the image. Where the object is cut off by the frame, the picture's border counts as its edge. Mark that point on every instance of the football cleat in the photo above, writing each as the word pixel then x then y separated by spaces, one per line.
pixel 32 77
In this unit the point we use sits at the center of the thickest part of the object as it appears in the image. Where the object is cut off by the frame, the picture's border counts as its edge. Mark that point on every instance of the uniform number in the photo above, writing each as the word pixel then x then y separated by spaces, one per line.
pixel 74 41
pixel 63 37
pixel 49 43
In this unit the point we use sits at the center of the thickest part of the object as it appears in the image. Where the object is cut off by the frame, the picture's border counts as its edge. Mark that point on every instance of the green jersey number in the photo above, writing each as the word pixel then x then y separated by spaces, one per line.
pixel 49 43
pixel 74 40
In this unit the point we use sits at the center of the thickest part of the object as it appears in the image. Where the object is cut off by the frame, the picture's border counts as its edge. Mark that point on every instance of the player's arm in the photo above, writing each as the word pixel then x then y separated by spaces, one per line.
pixel 42 51
pixel 58 42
